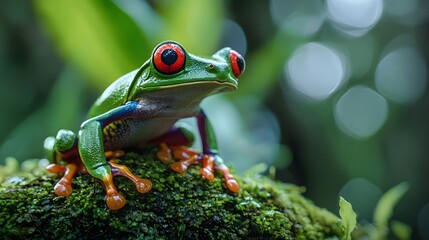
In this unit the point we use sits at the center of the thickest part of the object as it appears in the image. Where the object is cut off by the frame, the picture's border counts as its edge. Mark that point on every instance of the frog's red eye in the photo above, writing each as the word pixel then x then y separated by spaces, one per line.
pixel 169 58
pixel 237 63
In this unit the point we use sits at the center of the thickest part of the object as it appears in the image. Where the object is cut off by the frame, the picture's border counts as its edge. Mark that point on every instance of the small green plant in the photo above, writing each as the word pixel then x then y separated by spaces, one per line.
pixel 379 229
pixel 348 218
pixel 10 167
pixel 383 212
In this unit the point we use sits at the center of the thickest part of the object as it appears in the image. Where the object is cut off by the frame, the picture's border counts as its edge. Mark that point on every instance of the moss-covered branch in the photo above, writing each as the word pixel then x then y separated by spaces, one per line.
pixel 180 206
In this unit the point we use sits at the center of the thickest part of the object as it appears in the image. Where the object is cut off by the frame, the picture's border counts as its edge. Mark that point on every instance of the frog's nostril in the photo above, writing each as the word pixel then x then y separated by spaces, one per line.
pixel 217 68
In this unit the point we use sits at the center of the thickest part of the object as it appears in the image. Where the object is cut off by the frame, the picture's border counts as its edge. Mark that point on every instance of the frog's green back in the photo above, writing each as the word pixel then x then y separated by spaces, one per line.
pixel 114 96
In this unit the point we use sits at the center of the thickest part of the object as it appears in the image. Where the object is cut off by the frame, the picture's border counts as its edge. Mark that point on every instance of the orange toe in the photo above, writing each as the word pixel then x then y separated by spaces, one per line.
pixel 55 168
pixel 180 154
pixel 115 201
pixel 63 188
pixel 143 186
pixel 232 185
pixel 207 174
pixel 179 167
pixel 164 157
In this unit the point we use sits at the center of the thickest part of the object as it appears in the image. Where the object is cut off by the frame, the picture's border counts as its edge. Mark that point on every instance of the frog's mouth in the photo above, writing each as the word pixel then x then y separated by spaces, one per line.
pixel 229 86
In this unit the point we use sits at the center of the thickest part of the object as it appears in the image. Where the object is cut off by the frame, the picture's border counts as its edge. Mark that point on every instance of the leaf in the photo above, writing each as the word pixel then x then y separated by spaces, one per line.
pixel 256 169
pixel 63 108
pixel 265 67
pixel 384 209
pixel 401 230
pixel 195 24
pixel 10 167
pixel 96 36
pixel 348 218
pixel 144 16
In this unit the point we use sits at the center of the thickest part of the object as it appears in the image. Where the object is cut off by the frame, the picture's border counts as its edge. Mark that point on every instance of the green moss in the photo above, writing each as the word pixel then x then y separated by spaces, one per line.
pixel 180 206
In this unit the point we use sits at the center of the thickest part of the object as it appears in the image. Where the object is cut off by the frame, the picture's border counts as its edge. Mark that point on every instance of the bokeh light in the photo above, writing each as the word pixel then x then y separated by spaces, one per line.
pixel 423 222
pixel 361 54
pixel 259 131
pixel 408 13
pixel 316 70
pixel 364 204
pixel 361 112
pixel 302 18
pixel 354 17
pixel 350 114
pixel 234 37
pixel 401 75
pixel 400 7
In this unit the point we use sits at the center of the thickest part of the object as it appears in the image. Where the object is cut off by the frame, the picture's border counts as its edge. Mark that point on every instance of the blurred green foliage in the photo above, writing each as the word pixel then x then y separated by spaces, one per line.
pixel 384 209
pixel 102 40
pixel 96 36
pixel 57 56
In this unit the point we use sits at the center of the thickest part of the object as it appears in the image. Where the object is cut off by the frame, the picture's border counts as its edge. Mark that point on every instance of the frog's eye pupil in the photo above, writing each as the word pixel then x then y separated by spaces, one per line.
pixel 240 63
pixel 237 63
pixel 169 58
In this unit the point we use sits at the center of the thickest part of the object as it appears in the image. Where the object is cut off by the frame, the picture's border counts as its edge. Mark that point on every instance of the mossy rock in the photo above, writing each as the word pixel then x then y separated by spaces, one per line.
pixel 180 206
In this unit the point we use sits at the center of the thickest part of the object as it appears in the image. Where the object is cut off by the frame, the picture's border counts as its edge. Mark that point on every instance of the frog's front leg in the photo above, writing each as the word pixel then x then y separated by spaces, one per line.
pixel 173 145
pixel 91 151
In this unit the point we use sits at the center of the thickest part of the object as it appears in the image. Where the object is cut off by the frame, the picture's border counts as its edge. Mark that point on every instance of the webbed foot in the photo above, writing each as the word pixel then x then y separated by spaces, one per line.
pixel 114 199
pixel 187 157
pixel 230 181
pixel 164 153
pixel 142 185
pixel 64 186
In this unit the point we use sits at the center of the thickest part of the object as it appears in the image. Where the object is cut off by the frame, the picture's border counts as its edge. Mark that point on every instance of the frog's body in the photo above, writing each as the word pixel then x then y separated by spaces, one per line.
pixel 158 113
pixel 140 109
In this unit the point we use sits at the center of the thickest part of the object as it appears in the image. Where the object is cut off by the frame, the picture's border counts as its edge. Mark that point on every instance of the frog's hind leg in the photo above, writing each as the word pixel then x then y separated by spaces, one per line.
pixel 63 147
pixel 209 164
pixel 174 144
pixel 64 186
pixel 177 137
pixel 230 181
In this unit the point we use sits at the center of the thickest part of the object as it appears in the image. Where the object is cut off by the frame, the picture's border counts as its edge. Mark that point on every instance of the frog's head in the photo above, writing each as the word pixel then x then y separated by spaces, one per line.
pixel 172 66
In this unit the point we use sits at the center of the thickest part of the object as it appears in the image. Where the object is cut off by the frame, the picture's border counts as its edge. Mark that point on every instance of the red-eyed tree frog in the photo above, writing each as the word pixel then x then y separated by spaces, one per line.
pixel 140 109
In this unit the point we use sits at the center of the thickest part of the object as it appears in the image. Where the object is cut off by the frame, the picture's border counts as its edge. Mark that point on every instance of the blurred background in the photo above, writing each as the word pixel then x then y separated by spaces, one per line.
pixel 334 97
